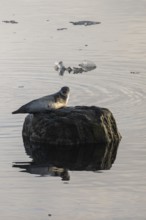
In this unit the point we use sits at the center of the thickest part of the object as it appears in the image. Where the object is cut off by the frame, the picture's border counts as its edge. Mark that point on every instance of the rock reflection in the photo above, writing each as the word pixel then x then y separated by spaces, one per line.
pixel 81 157
pixel 51 161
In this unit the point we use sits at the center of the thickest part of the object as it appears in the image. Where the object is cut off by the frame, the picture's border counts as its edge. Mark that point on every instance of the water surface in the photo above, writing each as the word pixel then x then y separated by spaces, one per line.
pixel 28 52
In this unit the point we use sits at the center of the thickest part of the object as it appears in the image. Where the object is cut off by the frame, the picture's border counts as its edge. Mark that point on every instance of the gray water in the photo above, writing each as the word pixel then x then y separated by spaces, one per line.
pixel 28 51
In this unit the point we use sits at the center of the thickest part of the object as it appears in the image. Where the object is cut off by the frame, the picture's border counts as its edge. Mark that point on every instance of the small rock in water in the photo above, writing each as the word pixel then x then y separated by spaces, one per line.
pixel 11 22
pixel 77 70
pixel 85 23
pixel 59 66
pixel 135 72
pixel 85 66
pixel 61 29
pixel 69 69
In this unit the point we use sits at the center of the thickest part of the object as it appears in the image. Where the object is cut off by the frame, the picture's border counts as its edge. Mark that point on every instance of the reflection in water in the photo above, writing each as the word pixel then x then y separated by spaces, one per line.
pixel 76 157
pixel 49 160
pixel 43 170
pixel 56 160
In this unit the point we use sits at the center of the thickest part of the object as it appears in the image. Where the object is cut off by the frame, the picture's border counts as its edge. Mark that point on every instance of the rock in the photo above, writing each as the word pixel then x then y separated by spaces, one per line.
pixel 77 138
pixel 61 29
pixel 10 22
pixel 77 70
pixel 59 66
pixel 85 23
pixel 85 66
pixel 135 72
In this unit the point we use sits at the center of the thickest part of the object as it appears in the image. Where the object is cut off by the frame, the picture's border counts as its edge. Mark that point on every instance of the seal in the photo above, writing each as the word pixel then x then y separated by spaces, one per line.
pixel 46 103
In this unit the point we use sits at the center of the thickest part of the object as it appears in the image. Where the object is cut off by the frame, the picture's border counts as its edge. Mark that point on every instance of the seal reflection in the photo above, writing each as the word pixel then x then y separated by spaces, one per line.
pixel 43 170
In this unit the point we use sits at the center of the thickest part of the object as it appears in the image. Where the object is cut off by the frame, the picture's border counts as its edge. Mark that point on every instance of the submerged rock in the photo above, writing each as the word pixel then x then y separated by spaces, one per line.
pixel 61 29
pixel 77 70
pixel 77 138
pixel 59 66
pixel 85 66
pixel 10 22
pixel 85 23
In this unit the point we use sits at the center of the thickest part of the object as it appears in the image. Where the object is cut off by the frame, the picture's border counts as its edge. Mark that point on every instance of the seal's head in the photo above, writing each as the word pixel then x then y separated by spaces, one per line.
pixel 65 91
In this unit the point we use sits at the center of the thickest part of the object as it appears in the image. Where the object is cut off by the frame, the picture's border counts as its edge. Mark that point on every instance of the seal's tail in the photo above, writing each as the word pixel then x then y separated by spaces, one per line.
pixel 21 110
pixel 16 112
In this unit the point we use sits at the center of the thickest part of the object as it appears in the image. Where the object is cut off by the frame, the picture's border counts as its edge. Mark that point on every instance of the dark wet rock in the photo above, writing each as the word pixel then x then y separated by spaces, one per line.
pixel 69 69
pixel 77 138
pixel 77 70
pixel 61 29
pixel 11 22
pixel 85 23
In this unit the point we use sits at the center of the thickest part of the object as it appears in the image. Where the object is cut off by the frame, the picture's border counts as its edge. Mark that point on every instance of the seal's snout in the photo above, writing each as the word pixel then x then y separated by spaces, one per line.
pixel 65 90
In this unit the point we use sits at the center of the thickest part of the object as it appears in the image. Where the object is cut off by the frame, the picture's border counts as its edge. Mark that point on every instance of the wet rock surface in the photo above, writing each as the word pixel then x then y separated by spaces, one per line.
pixel 77 138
